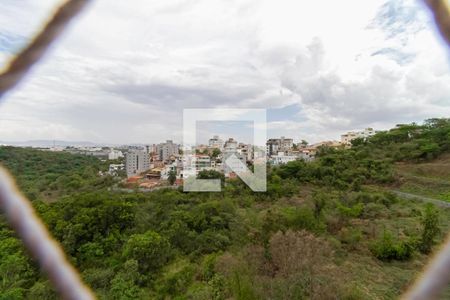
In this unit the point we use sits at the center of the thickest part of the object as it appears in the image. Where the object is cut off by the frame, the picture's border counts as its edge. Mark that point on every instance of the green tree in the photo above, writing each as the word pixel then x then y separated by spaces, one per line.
pixel 149 249
pixel 172 177
pixel 319 203
pixel 430 223
pixel 303 143
pixel 387 247
pixel 124 284
pixel 215 153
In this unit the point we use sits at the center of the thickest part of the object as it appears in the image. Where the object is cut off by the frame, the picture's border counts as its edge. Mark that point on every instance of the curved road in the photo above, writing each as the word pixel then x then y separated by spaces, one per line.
pixel 439 203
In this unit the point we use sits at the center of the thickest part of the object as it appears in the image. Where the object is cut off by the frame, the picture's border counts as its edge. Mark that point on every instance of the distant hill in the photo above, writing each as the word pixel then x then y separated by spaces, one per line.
pixel 60 143
pixel 49 143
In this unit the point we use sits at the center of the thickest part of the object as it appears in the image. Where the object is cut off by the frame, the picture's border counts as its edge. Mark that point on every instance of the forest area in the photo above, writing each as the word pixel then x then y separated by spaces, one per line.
pixel 328 229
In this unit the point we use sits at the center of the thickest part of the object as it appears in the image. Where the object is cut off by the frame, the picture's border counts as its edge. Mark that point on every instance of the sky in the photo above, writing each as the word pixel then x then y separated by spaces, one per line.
pixel 124 70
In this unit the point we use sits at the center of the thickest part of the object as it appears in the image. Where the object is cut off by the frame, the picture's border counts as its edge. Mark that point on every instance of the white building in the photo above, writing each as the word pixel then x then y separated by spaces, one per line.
pixel 165 172
pixel 281 158
pixel 115 154
pixel 136 162
pixel 202 162
pixel 240 165
pixel 216 142
pixel 230 146
pixel 346 139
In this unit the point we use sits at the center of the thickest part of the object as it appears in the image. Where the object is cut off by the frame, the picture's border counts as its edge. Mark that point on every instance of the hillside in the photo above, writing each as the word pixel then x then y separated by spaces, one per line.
pixel 45 175
pixel 329 229
pixel 430 179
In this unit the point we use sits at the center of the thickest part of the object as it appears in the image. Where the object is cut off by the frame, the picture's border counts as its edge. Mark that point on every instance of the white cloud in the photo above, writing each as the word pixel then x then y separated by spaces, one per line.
pixel 123 72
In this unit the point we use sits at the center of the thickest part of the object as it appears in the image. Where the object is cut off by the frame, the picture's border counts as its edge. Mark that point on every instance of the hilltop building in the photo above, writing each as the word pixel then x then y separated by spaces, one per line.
pixel 347 138
pixel 273 146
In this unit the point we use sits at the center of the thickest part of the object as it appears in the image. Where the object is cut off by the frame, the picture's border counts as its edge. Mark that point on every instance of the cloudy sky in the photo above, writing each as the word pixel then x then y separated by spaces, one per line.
pixel 125 70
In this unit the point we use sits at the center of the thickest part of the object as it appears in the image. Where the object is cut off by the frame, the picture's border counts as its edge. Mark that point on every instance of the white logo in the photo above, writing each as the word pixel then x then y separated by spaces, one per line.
pixel 256 180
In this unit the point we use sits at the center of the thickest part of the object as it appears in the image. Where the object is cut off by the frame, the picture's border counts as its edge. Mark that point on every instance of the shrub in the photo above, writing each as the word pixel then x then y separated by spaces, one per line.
pixel 319 201
pixel 430 223
pixel 350 237
pixel 385 248
pixel 349 212
pixel 372 210
pixel 301 218
pixel 298 259
pixel 176 283
pixel 208 265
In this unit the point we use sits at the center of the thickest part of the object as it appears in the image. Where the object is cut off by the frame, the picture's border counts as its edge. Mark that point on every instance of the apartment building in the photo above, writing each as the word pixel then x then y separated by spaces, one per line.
pixel 202 162
pixel 216 142
pixel 115 154
pixel 136 162
pixel 346 138
pixel 167 149
pixel 230 146
pixel 246 150
pixel 273 146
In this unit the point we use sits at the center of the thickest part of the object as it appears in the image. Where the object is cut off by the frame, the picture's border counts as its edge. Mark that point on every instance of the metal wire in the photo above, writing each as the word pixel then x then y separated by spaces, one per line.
pixel 34 234
pixel 38 241
pixel 16 207
pixel 22 63
pixel 441 13
pixel 435 278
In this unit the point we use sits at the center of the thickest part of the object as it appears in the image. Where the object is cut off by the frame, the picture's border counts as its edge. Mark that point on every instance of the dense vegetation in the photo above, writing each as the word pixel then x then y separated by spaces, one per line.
pixel 47 175
pixel 324 230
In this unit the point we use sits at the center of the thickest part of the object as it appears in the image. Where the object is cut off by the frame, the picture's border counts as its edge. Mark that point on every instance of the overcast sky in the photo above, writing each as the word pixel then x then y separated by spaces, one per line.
pixel 125 70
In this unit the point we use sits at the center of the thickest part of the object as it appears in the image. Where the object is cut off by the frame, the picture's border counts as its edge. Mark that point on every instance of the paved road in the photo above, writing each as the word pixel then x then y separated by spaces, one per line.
pixel 422 198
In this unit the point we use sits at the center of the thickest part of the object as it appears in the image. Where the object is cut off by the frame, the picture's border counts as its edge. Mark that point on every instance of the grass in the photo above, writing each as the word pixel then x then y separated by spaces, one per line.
pixel 361 275
pixel 431 179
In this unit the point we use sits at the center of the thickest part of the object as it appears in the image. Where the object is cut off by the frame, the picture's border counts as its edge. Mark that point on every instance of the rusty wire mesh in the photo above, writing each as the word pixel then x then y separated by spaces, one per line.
pixel 50 256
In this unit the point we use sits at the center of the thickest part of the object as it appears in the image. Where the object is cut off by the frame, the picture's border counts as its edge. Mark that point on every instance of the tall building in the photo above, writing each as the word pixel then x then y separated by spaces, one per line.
pixel 246 150
pixel 167 149
pixel 202 162
pixel 216 142
pixel 136 162
pixel 279 145
pixel 230 146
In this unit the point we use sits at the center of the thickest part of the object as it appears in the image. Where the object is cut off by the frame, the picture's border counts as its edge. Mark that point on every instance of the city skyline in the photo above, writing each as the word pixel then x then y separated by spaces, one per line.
pixel 200 142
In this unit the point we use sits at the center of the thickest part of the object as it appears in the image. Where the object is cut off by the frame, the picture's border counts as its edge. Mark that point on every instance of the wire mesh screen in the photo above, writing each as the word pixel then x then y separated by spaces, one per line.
pixel 48 252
